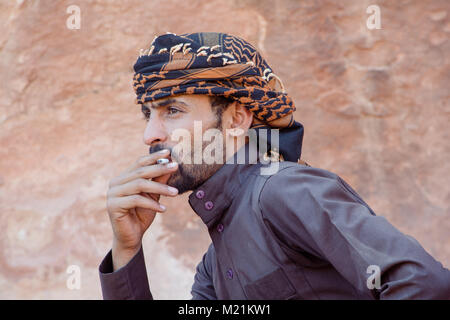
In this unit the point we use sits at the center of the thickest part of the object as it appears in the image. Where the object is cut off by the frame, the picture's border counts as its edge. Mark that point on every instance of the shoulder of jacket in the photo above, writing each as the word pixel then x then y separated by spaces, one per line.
pixel 304 177
pixel 287 171
pixel 288 168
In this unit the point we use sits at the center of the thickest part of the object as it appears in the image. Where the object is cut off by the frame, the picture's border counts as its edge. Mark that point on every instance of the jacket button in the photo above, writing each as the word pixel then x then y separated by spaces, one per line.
pixel 220 227
pixel 209 205
pixel 200 194
pixel 230 274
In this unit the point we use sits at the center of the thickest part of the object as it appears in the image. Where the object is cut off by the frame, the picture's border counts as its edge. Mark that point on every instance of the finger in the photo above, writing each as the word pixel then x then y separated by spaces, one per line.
pixel 142 185
pixel 149 159
pixel 146 172
pixel 135 201
pixel 140 162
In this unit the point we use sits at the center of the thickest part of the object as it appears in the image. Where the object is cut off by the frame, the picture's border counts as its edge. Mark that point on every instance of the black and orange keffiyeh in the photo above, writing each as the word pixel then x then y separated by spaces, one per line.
pixel 217 64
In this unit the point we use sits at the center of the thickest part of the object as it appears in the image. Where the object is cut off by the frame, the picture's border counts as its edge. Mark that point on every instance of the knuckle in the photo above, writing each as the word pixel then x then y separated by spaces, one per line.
pixel 143 171
pixel 142 160
pixel 110 205
pixel 135 200
pixel 142 184
pixel 140 171
pixel 110 193
pixel 112 183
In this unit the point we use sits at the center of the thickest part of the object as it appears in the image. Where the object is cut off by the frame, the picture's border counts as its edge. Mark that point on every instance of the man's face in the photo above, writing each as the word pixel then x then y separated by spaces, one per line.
pixel 164 117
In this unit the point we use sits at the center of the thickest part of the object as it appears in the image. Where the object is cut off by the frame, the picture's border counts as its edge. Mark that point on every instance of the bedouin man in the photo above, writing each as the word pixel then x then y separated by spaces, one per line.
pixel 297 232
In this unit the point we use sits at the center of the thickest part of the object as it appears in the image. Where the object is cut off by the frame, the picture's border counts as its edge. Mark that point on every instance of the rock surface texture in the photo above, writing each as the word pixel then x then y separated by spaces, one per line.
pixel 374 103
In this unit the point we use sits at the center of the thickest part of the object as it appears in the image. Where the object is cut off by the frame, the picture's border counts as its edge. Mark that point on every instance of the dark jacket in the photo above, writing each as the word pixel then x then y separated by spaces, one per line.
pixel 301 233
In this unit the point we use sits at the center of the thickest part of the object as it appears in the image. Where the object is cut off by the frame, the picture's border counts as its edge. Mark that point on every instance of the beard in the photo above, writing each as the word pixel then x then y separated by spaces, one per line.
pixel 189 176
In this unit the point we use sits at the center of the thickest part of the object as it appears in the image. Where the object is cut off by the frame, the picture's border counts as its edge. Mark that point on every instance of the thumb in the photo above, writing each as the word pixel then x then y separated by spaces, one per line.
pixel 163 179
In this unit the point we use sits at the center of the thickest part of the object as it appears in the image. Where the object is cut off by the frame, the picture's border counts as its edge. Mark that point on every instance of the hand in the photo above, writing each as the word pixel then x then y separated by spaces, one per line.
pixel 133 200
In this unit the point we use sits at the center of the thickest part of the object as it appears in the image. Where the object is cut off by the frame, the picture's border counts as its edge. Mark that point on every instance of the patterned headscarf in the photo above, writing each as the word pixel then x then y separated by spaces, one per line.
pixel 218 64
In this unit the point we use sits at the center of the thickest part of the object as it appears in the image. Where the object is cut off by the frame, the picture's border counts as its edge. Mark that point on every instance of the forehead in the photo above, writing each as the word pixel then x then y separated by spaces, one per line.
pixel 186 100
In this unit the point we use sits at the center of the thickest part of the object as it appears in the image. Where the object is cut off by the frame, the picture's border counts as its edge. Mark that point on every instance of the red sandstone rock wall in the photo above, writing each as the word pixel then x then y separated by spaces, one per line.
pixel 374 103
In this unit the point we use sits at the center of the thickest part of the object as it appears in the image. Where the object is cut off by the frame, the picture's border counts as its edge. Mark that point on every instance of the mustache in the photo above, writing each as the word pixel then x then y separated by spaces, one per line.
pixel 157 148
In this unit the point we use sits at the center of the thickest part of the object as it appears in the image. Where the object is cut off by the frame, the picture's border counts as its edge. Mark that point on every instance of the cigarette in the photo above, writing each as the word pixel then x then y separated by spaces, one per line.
pixel 162 161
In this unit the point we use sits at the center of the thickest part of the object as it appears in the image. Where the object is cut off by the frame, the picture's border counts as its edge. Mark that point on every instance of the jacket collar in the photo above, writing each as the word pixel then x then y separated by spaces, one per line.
pixel 216 194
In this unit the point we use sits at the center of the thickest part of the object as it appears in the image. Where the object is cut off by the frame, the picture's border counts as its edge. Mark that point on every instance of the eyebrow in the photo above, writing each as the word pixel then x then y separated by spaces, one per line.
pixel 161 104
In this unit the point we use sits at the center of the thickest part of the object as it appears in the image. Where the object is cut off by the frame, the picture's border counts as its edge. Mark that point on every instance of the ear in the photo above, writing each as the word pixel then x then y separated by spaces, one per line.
pixel 239 117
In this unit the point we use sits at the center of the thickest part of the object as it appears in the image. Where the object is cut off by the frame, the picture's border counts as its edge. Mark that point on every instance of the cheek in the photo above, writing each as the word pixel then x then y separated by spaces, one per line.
pixel 182 144
pixel 183 133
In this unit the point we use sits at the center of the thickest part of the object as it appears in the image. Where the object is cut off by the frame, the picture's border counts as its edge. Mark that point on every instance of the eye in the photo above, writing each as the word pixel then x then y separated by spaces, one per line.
pixel 172 110
pixel 145 112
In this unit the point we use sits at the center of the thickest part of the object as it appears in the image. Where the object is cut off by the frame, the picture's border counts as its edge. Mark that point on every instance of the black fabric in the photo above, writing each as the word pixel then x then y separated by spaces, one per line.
pixel 289 144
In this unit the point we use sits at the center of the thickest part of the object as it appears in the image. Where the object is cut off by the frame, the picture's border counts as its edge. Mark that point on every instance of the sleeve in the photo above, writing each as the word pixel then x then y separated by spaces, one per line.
pixel 203 287
pixel 130 282
pixel 316 211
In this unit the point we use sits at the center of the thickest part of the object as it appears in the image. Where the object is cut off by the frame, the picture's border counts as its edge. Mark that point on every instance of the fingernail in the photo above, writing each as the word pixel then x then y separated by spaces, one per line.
pixel 163 151
pixel 162 207
pixel 172 165
pixel 173 190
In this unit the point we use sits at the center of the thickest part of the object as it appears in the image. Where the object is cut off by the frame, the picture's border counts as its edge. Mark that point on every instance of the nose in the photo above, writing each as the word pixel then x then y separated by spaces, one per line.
pixel 154 132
